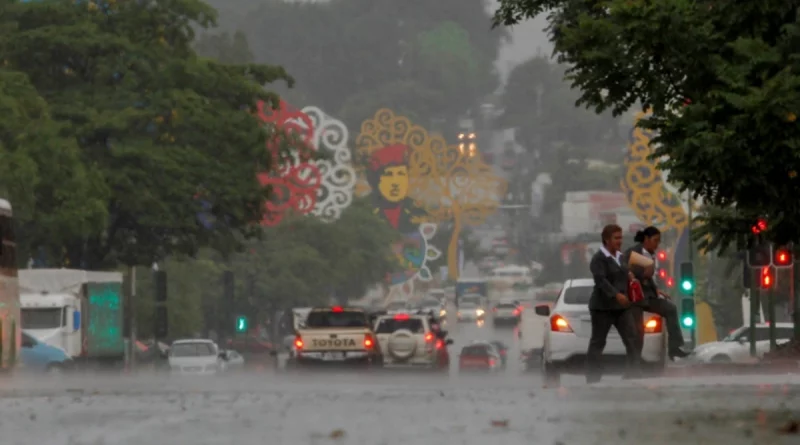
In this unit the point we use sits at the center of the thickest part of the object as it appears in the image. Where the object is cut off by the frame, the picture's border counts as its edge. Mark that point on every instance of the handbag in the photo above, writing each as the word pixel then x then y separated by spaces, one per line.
pixel 635 293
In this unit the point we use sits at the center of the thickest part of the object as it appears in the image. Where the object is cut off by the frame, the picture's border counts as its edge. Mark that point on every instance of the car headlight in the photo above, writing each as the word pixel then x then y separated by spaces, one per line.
pixel 479 312
pixel 442 313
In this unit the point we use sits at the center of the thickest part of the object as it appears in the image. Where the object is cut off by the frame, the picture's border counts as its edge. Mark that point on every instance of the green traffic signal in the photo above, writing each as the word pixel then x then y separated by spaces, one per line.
pixel 241 324
pixel 687 285
pixel 687 322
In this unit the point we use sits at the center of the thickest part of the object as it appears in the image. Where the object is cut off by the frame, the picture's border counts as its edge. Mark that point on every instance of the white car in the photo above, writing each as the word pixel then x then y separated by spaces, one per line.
pixel 196 357
pixel 735 348
pixel 570 327
pixel 470 312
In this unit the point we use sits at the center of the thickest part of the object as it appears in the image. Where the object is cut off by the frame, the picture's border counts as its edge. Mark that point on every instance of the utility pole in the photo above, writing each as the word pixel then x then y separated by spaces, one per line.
pixel 132 318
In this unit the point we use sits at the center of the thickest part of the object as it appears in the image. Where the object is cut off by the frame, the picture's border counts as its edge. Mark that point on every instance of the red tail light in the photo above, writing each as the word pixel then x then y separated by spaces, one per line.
pixel 369 342
pixel 439 344
pixel 402 317
pixel 503 352
pixel 559 324
pixel 494 309
pixel 653 325
pixel 492 362
pixel 516 311
pixel 337 309
pixel 298 342
pixel 429 337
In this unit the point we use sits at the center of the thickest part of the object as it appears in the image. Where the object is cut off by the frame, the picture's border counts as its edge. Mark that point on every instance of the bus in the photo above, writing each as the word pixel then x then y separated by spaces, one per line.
pixel 10 324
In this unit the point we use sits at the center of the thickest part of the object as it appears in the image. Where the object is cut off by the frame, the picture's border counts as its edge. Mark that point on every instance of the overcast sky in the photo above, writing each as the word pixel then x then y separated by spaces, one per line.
pixel 527 39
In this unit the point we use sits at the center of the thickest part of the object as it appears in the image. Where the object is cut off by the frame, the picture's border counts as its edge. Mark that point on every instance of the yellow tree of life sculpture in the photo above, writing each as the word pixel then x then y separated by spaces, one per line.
pixel 446 184
pixel 656 202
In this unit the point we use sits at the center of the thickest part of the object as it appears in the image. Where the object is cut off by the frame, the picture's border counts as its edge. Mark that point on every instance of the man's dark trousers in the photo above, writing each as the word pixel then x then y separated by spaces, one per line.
pixel 602 321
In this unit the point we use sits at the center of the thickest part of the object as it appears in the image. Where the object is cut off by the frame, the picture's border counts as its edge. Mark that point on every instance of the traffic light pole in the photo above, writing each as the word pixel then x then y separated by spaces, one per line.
pixel 754 311
pixel 690 246
pixel 795 311
pixel 771 311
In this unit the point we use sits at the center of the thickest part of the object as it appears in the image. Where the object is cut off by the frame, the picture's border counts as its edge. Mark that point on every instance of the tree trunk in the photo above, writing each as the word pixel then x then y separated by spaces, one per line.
pixel 452 249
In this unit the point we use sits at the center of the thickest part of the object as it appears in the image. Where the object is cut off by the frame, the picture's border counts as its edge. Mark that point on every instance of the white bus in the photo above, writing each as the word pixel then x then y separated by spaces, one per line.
pixel 10 324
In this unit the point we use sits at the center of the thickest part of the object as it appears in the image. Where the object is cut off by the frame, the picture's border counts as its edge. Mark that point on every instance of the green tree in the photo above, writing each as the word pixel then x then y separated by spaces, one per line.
pixel 722 81
pixel 167 131
pixel 301 262
pixel 225 48
pixel 351 57
pixel 55 198
pixel 540 104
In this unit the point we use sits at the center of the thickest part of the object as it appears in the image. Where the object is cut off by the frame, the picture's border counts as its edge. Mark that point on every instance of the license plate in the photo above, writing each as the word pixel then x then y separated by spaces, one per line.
pixel 333 356
pixel 469 362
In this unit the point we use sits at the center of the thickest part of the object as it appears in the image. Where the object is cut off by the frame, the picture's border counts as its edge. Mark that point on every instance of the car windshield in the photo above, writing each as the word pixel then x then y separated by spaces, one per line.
pixel 733 336
pixel 331 319
pixel 577 295
pixel 42 318
pixel 468 306
pixel 470 299
pixel 506 306
pixel 396 305
pixel 429 303
pixel 198 349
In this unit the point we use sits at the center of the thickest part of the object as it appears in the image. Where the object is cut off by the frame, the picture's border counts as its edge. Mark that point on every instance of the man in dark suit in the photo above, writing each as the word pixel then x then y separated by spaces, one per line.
pixel 609 305
pixel 655 300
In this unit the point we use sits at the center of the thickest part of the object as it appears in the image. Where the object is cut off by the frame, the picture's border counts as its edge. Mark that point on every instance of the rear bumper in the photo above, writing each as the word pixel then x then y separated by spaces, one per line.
pixel 513 319
pixel 351 359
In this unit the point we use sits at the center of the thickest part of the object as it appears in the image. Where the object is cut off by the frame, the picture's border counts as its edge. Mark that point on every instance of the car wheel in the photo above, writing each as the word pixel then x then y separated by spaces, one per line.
pixel 721 358
pixel 551 377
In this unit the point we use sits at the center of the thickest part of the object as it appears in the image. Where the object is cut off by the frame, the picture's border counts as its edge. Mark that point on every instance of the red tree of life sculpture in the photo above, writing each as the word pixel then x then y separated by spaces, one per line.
pixel 295 181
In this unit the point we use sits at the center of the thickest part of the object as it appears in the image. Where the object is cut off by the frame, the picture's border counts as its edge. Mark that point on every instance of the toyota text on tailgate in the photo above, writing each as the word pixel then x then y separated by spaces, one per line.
pixel 336 335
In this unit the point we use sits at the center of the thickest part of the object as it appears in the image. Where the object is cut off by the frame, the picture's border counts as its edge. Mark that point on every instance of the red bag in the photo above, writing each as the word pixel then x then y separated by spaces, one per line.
pixel 635 293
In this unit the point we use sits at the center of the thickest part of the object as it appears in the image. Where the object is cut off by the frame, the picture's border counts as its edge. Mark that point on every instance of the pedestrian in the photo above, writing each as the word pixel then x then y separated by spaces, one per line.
pixel 655 300
pixel 609 306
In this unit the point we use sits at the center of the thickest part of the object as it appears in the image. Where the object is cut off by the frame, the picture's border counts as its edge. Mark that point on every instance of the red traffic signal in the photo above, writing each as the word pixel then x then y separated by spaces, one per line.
pixel 767 279
pixel 670 282
pixel 759 226
pixel 661 255
pixel 662 273
pixel 782 257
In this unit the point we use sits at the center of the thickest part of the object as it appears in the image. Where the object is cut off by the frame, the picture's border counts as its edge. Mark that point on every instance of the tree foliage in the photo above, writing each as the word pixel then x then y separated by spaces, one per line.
pixel 143 125
pixel 540 105
pixel 351 57
pixel 722 82
pixel 301 262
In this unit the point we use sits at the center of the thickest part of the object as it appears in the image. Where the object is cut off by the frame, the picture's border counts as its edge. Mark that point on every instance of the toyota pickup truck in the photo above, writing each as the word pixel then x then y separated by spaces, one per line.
pixel 336 335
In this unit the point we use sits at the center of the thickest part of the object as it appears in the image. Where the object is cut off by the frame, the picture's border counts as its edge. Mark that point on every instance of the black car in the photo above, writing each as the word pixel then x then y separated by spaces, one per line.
pixel 503 350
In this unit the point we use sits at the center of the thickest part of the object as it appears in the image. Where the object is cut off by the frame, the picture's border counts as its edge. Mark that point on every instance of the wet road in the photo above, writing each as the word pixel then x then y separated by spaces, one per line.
pixel 396 409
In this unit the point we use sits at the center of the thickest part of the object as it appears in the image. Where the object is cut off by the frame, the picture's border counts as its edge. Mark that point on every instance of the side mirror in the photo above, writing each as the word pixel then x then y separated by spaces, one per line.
pixel 542 310
pixel 449 341
pixel 223 356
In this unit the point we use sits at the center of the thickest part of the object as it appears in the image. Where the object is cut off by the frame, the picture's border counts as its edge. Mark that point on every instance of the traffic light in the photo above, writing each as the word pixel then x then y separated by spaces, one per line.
pixel 661 255
pixel 227 285
pixel 687 312
pixel 670 282
pixel 161 286
pixel 759 226
pixel 162 322
pixel 687 278
pixel 241 324
pixel 767 277
pixel 759 255
pixel 783 257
